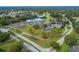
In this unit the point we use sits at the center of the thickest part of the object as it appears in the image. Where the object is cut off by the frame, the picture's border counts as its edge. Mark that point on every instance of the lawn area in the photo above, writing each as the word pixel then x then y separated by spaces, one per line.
pixel 10 46
pixel 35 32
pixel 42 43
pixel 16 31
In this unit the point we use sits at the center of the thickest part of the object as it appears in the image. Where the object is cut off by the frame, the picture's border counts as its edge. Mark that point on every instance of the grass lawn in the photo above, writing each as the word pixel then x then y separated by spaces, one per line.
pixel 7 47
pixel 15 30
pixel 26 29
pixel 42 43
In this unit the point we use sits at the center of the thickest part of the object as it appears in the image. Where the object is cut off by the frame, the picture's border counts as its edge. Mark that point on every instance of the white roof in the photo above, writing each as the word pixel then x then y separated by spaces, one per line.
pixel 29 20
pixel 38 19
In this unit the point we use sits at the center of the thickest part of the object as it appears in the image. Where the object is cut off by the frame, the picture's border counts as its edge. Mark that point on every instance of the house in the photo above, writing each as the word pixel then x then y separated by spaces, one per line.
pixel 56 25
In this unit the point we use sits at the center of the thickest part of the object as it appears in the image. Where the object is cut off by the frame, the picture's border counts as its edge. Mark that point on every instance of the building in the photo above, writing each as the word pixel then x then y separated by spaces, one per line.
pixel 29 21
pixel 56 25
pixel 34 21
pixel 37 20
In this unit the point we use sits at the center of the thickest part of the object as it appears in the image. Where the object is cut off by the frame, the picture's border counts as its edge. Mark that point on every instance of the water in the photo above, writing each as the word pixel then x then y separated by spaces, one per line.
pixel 38 7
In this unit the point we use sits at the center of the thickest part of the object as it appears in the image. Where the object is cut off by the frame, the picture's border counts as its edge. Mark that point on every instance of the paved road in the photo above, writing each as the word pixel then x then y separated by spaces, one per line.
pixel 25 45
pixel 61 40
pixel 13 37
pixel 29 47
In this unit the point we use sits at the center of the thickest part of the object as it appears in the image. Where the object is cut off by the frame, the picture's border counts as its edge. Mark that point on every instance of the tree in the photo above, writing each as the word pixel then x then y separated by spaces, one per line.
pixel 71 39
pixel 36 26
pixel 1 50
pixel 76 26
pixel 4 36
pixel 55 32
pixel 55 45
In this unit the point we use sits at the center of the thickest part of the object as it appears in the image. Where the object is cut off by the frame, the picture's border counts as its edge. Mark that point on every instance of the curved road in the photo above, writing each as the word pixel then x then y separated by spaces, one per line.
pixel 61 40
